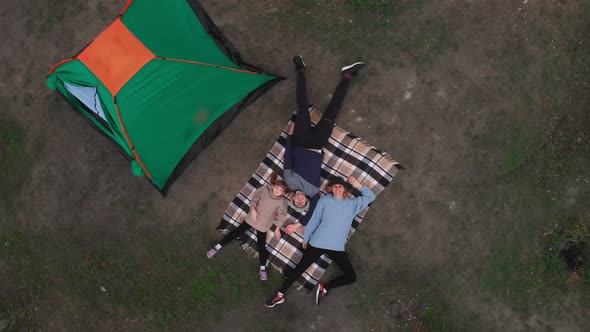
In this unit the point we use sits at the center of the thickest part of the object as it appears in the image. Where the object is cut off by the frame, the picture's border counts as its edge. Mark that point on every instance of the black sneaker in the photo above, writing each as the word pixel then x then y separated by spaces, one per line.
pixel 320 293
pixel 352 69
pixel 298 61
pixel 277 299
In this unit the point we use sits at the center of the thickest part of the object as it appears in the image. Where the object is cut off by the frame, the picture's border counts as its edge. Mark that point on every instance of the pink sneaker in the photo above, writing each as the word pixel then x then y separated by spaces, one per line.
pixel 263 275
pixel 211 252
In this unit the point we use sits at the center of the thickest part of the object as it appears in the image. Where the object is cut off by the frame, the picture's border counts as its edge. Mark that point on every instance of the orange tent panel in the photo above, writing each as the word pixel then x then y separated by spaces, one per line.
pixel 115 56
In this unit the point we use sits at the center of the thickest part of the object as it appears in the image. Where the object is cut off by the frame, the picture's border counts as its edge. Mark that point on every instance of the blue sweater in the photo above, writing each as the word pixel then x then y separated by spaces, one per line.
pixel 329 225
pixel 303 172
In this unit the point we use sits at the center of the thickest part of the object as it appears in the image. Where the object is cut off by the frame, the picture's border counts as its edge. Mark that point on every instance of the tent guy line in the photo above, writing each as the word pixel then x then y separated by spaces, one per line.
pixel 208 65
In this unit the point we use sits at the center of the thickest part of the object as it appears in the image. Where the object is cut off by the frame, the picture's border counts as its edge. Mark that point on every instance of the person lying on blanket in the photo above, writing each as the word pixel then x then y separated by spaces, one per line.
pixel 327 233
pixel 303 151
pixel 268 205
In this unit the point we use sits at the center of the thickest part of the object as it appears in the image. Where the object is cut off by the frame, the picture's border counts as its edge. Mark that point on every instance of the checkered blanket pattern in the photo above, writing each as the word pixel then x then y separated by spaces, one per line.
pixel 344 155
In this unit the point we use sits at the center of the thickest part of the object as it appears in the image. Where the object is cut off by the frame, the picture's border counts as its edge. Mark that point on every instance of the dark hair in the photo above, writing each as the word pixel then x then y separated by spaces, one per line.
pixel 338 180
pixel 275 181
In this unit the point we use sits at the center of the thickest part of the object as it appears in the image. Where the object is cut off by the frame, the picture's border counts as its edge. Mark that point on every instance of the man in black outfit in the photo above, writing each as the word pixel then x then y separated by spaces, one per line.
pixel 303 151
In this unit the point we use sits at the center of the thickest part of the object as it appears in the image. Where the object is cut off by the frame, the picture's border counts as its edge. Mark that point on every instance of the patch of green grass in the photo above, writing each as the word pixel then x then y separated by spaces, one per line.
pixel 552 150
pixel 351 27
pixel 528 270
pixel 363 301
pixel 436 318
pixel 204 288
pixel 518 148
pixel 566 82
pixel 165 284
pixel 573 230
pixel 164 318
pixel 380 5
pixel 422 306
pixel 563 158
pixel 27 277
pixel 20 252
pixel 13 158
pixel 435 313
pixel 359 4
pixel 554 135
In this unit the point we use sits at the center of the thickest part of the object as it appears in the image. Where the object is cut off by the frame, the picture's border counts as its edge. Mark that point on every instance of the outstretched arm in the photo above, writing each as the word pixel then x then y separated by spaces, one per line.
pixel 367 196
pixel 292 228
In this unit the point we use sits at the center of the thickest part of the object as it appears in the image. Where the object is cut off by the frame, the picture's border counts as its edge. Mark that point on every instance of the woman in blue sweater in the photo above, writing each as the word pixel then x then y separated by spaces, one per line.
pixel 327 233
pixel 303 151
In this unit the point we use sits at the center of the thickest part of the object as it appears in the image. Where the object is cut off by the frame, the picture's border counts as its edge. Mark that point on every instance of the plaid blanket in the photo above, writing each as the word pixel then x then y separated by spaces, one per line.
pixel 344 155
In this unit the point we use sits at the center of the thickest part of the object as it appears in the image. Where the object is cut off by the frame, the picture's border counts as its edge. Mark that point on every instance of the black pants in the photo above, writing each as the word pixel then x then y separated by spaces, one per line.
pixel 316 137
pixel 261 240
pixel 310 255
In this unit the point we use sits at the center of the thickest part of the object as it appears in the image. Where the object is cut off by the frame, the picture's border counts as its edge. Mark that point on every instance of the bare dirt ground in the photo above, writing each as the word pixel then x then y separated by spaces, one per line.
pixel 485 103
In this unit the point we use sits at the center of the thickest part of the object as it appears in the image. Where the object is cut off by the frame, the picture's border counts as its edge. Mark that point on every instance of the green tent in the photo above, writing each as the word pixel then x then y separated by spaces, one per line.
pixel 161 82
